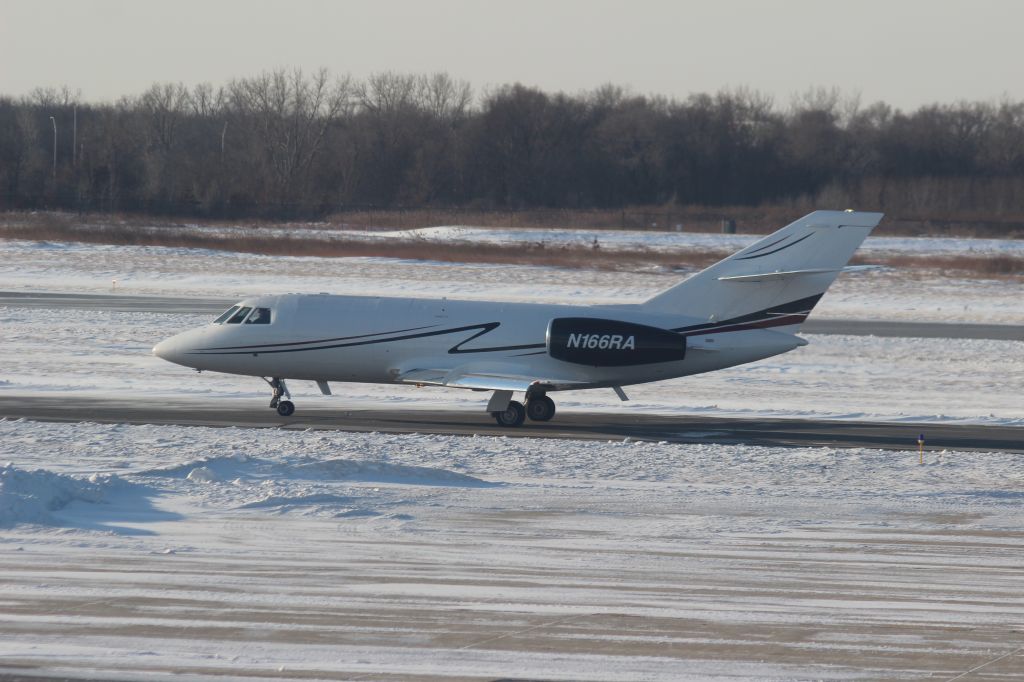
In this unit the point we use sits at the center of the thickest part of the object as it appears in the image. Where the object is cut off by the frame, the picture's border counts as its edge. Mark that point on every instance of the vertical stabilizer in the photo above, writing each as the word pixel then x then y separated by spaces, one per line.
pixel 776 281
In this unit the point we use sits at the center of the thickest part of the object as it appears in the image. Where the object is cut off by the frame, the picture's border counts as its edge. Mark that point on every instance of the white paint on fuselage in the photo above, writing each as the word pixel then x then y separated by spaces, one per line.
pixel 345 339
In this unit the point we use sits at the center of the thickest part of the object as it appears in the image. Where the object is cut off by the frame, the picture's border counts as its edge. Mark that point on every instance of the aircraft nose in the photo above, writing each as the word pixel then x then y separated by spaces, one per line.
pixel 171 350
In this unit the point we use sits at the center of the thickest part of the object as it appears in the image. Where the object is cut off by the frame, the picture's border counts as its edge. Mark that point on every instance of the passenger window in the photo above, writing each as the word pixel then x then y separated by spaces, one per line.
pixel 239 316
pixel 226 314
pixel 259 316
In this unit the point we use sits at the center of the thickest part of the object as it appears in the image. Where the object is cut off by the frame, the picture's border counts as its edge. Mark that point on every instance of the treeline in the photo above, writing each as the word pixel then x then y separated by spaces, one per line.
pixel 288 144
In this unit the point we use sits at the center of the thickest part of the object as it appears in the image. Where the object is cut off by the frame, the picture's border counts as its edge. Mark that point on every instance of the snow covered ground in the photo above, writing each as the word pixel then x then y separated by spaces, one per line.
pixel 883 294
pixel 142 551
pixel 654 240
pixel 137 551
pixel 688 241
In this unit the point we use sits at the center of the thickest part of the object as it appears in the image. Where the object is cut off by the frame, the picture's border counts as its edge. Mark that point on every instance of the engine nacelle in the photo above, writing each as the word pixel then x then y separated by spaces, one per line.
pixel 611 343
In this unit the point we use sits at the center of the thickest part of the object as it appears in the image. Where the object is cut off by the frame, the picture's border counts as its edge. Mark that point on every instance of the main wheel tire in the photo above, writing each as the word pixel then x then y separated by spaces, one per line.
pixel 514 415
pixel 285 408
pixel 540 408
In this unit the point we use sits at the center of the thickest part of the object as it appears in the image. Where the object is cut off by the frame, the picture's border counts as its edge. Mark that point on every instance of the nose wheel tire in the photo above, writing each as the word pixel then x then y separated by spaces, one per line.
pixel 279 398
pixel 513 415
pixel 540 408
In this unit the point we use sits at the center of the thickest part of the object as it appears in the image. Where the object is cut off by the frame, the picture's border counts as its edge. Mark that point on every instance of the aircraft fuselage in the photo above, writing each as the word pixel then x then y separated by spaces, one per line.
pixel 376 340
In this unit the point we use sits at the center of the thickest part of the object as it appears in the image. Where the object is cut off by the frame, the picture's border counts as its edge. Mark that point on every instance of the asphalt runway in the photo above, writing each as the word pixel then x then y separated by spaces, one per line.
pixel 213 306
pixel 253 413
pixel 113 301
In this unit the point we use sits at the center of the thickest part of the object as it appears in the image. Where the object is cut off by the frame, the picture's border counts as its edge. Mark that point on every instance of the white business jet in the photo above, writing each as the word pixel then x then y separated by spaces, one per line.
pixel 744 308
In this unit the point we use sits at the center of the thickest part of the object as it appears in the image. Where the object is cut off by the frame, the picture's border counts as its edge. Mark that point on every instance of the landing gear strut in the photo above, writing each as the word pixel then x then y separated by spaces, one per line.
pixel 285 408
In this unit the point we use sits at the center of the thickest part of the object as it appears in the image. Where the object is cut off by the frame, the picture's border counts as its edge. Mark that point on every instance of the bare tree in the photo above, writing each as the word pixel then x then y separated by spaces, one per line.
pixel 387 93
pixel 164 106
pixel 445 99
pixel 286 141
pixel 1004 144
pixel 204 101
pixel 20 158
pixel 287 115
pixel 54 97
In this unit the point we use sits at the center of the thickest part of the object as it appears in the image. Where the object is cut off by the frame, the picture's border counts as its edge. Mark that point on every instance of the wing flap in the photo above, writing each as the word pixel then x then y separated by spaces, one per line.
pixel 491 382
pixel 478 380
pixel 426 377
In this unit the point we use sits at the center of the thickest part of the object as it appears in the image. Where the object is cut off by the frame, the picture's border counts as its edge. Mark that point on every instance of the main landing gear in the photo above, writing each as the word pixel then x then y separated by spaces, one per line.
pixel 538 408
pixel 513 415
pixel 285 408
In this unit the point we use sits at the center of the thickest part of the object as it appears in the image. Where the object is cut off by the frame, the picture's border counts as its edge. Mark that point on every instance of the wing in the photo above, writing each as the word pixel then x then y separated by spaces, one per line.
pixel 482 380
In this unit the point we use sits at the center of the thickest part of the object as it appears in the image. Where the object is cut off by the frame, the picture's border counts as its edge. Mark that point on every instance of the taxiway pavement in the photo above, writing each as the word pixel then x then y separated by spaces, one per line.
pixel 254 413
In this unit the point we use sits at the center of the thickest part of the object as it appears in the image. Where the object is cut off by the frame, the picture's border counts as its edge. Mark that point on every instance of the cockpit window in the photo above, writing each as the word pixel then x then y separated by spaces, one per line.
pixel 259 316
pixel 226 314
pixel 239 316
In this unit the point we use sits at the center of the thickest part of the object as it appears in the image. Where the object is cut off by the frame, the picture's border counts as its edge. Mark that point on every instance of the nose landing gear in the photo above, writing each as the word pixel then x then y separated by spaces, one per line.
pixel 285 408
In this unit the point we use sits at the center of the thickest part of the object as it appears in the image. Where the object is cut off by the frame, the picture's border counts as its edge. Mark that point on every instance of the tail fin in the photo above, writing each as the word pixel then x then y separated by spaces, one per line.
pixel 775 282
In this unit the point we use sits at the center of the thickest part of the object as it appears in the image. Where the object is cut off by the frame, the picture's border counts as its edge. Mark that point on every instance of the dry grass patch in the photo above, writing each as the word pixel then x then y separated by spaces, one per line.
pixel 300 242
pixel 988 267
pixel 582 257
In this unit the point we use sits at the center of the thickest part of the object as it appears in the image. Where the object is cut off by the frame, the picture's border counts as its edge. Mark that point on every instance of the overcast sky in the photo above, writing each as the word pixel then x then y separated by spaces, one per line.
pixel 905 52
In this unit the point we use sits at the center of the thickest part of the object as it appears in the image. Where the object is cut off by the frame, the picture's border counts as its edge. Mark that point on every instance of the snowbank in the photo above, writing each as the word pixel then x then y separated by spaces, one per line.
pixel 240 467
pixel 30 496
pixel 593 561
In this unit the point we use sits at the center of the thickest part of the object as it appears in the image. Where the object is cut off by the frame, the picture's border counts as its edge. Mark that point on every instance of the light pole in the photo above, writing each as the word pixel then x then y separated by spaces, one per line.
pixel 223 133
pixel 54 122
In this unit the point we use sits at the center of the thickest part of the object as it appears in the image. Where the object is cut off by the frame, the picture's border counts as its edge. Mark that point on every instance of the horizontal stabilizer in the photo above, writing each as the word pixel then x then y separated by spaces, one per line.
pixel 781 274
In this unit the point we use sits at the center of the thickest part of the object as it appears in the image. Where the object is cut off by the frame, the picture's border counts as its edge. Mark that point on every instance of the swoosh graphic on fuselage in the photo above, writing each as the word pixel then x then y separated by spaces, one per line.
pixel 304 343
pixel 793 312
pixel 481 329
